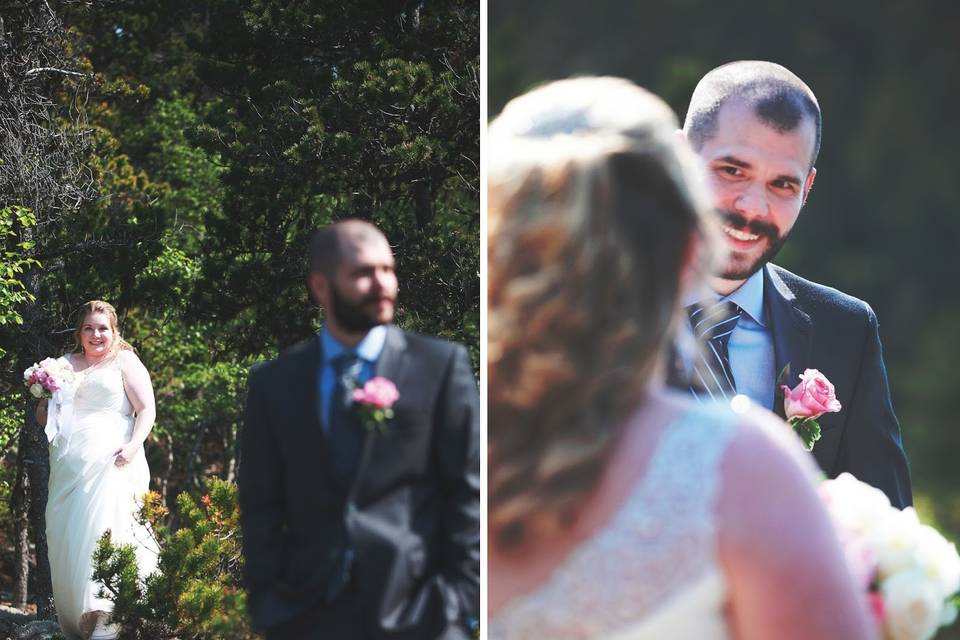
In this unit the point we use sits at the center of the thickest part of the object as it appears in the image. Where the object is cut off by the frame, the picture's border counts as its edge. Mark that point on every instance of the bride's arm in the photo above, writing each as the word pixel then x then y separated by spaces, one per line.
pixel 787 575
pixel 136 381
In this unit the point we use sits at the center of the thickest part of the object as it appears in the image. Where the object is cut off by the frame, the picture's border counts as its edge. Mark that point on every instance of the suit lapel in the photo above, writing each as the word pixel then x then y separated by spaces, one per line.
pixel 312 374
pixel 305 406
pixel 304 386
pixel 790 326
pixel 390 363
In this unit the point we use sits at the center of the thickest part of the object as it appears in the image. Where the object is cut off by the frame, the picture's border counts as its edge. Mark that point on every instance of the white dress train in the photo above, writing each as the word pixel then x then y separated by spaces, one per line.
pixel 652 572
pixel 89 494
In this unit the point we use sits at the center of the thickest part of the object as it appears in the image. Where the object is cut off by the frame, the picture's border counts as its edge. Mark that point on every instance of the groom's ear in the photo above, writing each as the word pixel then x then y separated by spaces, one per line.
pixel 318 285
pixel 808 184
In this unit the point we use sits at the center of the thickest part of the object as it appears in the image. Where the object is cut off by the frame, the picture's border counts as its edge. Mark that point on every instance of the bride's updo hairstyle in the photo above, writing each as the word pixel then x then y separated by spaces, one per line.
pixel 99 306
pixel 593 201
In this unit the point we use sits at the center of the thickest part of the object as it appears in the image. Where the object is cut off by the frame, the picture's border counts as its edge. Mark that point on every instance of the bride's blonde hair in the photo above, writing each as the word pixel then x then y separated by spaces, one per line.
pixel 594 204
pixel 99 306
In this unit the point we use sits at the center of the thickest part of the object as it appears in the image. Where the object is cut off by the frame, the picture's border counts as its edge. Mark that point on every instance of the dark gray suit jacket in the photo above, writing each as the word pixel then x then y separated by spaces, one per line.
pixel 817 327
pixel 405 534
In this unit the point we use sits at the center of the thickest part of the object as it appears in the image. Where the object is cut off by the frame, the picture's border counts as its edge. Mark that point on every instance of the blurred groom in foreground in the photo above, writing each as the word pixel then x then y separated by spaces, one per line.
pixel 360 466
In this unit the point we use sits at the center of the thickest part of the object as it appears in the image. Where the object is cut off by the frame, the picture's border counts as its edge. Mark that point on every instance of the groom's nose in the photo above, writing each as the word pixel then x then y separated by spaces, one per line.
pixel 752 201
pixel 383 279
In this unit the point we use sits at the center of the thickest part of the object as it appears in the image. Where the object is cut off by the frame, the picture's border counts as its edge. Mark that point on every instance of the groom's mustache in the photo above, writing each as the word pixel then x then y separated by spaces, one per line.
pixel 376 297
pixel 756 227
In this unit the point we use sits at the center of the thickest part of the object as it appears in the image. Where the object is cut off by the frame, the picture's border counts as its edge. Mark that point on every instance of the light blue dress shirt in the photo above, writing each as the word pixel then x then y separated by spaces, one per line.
pixel 751 343
pixel 369 350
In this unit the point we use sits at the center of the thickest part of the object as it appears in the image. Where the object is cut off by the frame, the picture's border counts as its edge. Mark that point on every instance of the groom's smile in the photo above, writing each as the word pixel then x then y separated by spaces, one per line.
pixel 751 243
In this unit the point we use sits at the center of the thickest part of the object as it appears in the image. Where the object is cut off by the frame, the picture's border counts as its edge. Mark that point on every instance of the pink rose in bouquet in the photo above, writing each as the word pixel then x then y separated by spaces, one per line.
pixel 810 399
pixel 374 401
pixel 46 378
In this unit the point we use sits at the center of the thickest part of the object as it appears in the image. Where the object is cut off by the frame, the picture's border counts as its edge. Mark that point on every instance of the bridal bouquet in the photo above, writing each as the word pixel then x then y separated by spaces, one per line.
pixel 48 377
pixel 910 572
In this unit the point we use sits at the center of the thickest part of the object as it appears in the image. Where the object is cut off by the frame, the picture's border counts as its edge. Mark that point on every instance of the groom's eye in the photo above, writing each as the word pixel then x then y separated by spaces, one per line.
pixel 784 185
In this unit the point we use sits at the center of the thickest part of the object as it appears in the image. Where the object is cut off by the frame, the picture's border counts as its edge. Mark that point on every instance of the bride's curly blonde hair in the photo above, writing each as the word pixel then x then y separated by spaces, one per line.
pixel 99 306
pixel 593 204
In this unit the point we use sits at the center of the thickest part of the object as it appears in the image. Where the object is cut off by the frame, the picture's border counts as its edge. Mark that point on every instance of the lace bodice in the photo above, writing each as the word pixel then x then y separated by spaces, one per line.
pixel 659 545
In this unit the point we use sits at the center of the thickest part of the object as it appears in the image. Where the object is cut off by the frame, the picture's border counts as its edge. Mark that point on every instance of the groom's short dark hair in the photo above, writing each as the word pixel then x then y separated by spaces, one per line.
pixel 778 97
pixel 325 251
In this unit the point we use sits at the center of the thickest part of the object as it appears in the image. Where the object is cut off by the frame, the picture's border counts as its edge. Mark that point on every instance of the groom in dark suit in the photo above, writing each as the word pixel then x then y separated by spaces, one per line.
pixel 757 128
pixel 354 527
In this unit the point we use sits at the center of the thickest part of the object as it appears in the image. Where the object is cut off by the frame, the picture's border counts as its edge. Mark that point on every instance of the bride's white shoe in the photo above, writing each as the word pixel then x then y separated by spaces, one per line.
pixel 104 630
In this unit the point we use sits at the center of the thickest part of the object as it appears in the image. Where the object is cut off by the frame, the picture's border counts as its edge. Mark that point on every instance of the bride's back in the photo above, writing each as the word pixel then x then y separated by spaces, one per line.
pixel 642 554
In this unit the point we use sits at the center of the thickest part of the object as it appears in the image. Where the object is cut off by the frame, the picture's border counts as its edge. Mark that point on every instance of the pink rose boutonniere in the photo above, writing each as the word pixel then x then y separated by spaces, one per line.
pixel 806 402
pixel 374 401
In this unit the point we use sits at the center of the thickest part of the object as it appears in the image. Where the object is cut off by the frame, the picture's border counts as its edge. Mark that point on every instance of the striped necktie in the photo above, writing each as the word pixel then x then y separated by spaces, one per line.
pixel 713 325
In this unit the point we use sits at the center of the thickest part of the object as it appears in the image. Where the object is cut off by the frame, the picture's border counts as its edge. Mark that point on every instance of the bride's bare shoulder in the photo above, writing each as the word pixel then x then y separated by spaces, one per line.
pixel 763 469
pixel 775 541
pixel 130 361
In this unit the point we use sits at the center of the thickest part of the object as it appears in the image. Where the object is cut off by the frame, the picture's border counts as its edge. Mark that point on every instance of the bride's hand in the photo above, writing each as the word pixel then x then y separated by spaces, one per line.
pixel 42 412
pixel 125 454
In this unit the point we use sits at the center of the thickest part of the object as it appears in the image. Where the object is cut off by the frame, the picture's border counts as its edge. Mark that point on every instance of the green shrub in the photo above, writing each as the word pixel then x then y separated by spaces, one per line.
pixel 196 590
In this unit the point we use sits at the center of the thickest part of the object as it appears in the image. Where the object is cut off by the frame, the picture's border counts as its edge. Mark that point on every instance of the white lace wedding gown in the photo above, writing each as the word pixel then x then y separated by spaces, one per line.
pixel 89 494
pixel 652 572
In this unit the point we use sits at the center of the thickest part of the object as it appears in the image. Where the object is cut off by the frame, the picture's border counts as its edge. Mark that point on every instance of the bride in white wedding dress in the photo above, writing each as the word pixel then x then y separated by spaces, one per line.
pixel 97 469
pixel 619 509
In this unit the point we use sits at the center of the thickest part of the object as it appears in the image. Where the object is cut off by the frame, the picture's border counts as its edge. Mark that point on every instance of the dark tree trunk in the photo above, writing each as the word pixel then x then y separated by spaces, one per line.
pixel 21 553
pixel 37 462
pixel 36 457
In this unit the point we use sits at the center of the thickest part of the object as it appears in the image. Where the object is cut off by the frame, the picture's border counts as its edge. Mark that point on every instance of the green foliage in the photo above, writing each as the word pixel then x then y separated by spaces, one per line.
pixel 11 416
pixel 14 261
pixel 196 591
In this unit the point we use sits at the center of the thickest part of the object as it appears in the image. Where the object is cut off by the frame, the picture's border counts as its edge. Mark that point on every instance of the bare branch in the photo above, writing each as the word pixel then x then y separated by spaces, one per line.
pixel 37 70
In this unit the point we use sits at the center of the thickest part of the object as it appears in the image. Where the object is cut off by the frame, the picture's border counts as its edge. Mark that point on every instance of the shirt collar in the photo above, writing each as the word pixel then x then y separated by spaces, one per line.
pixel 748 296
pixel 368 349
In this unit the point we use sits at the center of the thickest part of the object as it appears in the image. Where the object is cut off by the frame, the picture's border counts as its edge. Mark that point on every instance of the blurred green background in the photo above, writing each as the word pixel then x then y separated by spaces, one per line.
pixel 883 219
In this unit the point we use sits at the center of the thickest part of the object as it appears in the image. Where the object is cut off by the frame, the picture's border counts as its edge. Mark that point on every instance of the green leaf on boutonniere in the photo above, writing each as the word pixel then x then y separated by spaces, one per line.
pixel 778 391
pixel 782 378
pixel 808 429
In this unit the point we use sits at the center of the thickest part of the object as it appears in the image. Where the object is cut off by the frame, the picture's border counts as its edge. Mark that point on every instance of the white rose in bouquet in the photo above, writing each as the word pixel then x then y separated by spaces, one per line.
pixel 896 542
pixel 856 507
pixel 913 606
pixel 908 570
pixel 938 559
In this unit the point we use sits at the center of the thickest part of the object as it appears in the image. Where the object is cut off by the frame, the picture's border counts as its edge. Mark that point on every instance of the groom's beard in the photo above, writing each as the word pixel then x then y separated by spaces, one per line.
pixel 357 317
pixel 765 230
